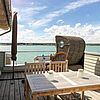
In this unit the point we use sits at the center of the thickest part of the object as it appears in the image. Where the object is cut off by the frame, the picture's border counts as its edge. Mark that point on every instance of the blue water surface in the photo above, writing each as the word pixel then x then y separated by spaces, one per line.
pixel 28 53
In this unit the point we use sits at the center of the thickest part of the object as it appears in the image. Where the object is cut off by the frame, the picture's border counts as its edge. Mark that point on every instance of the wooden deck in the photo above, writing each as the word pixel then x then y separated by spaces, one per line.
pixel 15 91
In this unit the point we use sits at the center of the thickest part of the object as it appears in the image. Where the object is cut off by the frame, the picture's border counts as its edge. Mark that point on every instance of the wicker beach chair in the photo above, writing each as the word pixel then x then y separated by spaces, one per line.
pixel 74 47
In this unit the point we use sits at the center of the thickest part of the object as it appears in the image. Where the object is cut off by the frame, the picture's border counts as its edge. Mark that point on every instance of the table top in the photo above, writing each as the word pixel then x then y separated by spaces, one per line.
pixel 60 80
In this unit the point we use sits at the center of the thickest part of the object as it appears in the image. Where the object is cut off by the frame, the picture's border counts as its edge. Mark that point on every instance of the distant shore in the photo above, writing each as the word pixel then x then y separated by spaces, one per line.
pixel 91 44
pixel 29 43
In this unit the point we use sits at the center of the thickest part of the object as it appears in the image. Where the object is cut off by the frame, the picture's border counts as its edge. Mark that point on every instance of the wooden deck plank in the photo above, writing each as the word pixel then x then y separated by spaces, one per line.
pixel 2 89
pixel 22 74
pixel 12 93
pixel 21 87
pixel 9 75
pixel 15 75
pixel 3 86
pixel 6 91
pixel 17 93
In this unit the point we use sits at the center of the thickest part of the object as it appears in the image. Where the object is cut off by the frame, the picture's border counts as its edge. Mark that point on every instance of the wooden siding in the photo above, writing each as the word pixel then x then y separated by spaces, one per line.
pixel 92 63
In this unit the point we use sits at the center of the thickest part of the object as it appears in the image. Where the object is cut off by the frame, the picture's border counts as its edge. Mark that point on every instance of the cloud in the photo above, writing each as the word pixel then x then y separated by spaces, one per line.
pixel 7 38
pixel 32 3
pixel 77 25
pixel 17 10
pixel 23 35
pixel 20 26
pixel 26 13
pixel 60 21
pixel 88 32
pixel 39 23
pixel 31 10
pixel 50 16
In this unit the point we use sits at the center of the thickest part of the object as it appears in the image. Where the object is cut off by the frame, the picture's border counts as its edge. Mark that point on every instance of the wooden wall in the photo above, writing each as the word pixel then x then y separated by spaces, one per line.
pixel 2 60
pixel 92 63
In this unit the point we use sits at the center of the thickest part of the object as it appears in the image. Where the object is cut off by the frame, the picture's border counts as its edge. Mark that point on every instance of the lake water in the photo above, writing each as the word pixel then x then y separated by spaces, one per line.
pixel 28 53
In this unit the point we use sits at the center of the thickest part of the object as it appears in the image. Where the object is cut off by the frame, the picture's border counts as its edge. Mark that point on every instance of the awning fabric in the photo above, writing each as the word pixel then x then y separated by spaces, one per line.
pixel 5 14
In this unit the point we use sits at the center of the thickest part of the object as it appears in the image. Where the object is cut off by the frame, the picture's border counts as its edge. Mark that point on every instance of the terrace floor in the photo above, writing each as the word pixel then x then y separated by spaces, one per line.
pixel 15 91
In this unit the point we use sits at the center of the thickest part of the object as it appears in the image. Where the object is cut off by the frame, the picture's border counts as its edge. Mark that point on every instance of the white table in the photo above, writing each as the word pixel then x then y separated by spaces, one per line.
pixel 63 82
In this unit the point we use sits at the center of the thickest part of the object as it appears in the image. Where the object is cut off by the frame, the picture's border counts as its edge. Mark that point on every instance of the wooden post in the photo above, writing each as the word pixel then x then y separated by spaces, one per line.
pixel 34 97
pixel 66 65
pixel 13 71
pixel 44 66
pixel 27 90
pixel 50 65
pixel 48 97
pixel 82 95
pixel 25 67
pixel 55 96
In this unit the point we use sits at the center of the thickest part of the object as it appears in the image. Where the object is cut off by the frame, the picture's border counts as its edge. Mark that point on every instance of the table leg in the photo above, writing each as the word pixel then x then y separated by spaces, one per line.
pixel 74 94
pixel 27 90
pixel 34 97
pixel 82 95
pixel 55 96
pixel 48 97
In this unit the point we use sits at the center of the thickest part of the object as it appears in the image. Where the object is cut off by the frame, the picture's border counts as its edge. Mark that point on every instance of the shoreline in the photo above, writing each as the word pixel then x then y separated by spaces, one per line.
pixel 52 44
pixel 30 44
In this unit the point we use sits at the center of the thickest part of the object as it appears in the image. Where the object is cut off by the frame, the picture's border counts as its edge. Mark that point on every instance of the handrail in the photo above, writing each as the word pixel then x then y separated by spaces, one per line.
pixel 66 54
pixel 93 53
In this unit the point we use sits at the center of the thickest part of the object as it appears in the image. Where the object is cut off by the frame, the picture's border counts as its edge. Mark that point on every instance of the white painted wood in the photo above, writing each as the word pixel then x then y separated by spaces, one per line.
pixel 92 63
pixel 65 82
pixel 91 60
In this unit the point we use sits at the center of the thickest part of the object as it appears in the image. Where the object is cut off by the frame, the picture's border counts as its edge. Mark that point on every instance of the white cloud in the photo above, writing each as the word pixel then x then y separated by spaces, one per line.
pixel 31 10
pixel 71 6
pixel 39 23
pixel 7 38
pixel 77 4
pixel 23 35
pixel 60 21
pixel 32 3
pixel 88 32
pixel 26 13
pixel 20 26
pixel 77 25
pixel 16 10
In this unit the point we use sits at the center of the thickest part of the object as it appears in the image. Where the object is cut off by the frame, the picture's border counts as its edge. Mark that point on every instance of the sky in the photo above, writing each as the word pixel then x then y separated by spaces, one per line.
pixel 41 20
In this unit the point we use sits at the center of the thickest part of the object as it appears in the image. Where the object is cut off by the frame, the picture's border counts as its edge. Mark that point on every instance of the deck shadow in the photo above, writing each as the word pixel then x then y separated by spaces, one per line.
pixel 71 96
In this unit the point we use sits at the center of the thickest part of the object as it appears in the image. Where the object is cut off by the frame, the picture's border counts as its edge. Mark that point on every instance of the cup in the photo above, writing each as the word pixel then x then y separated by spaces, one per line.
pixel 50 75
pixel 80 73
